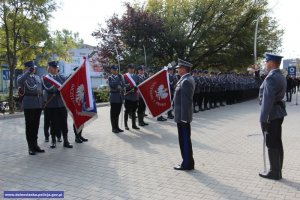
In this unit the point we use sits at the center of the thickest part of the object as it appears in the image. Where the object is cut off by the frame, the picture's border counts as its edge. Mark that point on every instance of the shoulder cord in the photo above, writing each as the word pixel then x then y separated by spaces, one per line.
pixel 47 88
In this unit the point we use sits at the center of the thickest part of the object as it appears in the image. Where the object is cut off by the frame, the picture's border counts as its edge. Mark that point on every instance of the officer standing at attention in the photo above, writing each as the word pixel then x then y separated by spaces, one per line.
pixel 172 82
pixel 273 111
pixel 57 111
pixel 183 106
pixel 141 106
pixel 32 104
pixel 131 98
pixel 116 95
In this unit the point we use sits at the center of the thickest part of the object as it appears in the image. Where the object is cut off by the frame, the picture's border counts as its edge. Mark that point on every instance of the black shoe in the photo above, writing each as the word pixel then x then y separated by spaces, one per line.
pixel 161 119
pixel 145 124
pixel 83 139
pixel 135 127
pixel 120 130
pixel 68 145
pixel 59 140
pixel 46 139
pixel 179 167
pixel 115 131
pixel 196 111
pixel 78 140
pixel 271 175
pixel 141 124
pixel 39 150
pixel 53 145
pixel 126 128
pixel 170 117
pixel 145 115
pixel 31 152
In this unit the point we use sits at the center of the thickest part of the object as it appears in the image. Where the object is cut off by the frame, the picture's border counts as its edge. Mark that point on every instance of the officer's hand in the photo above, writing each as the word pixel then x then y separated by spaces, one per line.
pixel 265 126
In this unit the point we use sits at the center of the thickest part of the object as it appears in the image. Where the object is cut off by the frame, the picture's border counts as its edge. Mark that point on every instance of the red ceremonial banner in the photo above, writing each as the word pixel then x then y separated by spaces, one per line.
pixel 156 93
pixel 76 93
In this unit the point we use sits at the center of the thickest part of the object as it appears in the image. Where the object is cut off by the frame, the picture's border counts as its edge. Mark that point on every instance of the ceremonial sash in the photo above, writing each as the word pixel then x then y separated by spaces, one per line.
pixel 52 81
pixel 129 79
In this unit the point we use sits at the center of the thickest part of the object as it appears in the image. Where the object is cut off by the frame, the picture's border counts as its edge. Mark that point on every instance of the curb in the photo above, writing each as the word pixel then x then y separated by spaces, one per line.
pixel 20 114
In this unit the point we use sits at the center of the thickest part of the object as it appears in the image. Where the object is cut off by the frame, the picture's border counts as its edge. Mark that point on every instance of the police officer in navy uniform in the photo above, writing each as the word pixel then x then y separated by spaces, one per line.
pixel 55 107
pixel 131 98
pixel 183 106
pixel 273 111
pixel 172 83
pixel 141 106
pixel 116 96
pixel 32 104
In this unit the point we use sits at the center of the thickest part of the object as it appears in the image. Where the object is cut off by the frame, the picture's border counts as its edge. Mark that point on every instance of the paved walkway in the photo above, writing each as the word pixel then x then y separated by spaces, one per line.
pixel 227 146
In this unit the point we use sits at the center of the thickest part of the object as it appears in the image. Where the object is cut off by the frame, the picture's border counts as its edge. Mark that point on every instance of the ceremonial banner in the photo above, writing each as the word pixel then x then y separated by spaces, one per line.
pixel 52 81
pixel 77 95
pixel 156 93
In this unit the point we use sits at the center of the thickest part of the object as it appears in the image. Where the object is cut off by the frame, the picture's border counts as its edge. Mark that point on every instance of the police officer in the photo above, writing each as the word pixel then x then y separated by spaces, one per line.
pixel 55 107
pixel 183 106
pixel 172 83
pixel 141 105
pixel 131 96
pixel 32 104
pixel 273 111
pixel 197 90
pixel 116 95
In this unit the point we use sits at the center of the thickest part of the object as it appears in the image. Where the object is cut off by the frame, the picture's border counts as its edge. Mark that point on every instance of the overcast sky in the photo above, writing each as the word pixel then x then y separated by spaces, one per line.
pixel 84 17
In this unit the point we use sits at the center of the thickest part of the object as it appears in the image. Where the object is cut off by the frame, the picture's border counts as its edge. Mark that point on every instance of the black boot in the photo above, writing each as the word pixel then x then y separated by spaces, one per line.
pixel 274 172
pixel 126 120
pixel 133 118
pixel 141 120
pixel 53 142
pixel 281 154
pixel 37 148
pixel 117 124
pixel 77 138
pixel 113 125
pixel 66 141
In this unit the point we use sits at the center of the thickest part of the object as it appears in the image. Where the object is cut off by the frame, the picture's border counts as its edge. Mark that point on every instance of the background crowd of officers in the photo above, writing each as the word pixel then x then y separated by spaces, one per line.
pixel 212 90
pixel 292 87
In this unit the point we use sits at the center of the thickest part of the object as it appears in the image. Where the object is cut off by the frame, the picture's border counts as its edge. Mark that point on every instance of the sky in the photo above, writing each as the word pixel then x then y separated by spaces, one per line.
pixel 85 16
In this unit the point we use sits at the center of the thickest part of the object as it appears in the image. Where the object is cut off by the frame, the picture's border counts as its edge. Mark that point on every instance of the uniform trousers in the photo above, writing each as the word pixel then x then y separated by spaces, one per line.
pixel 32 123
pixel 185 144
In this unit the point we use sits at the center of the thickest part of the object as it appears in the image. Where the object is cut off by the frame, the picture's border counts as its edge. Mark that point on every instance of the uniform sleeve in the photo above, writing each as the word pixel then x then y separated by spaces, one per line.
pixel 187 91
pixel 268 98
pixel 22 78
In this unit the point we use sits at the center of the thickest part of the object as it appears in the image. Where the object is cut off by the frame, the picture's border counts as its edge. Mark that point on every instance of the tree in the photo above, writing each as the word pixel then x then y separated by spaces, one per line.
pixel 216 32
pixel 18 20
pixel 137 29
pixel 211 33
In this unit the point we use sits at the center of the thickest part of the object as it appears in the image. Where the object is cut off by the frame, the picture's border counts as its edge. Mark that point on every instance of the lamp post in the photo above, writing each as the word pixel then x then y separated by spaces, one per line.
pixel 145 56
pixel 255 39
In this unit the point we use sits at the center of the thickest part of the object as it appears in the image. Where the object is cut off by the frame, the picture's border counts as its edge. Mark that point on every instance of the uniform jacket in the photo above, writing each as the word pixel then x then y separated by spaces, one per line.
pixel 54 99
pixel 33 90
pixel 117 85
pixel 183 99
pixel 271 94
pixel 131 93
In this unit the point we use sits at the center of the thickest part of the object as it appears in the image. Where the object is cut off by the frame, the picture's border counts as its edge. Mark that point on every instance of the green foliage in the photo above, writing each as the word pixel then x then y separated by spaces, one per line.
pixel 212 33
pixel 101 95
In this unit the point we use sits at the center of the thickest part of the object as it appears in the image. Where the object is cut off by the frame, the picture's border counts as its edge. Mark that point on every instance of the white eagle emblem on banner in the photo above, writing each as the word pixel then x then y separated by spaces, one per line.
pixel 161 92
